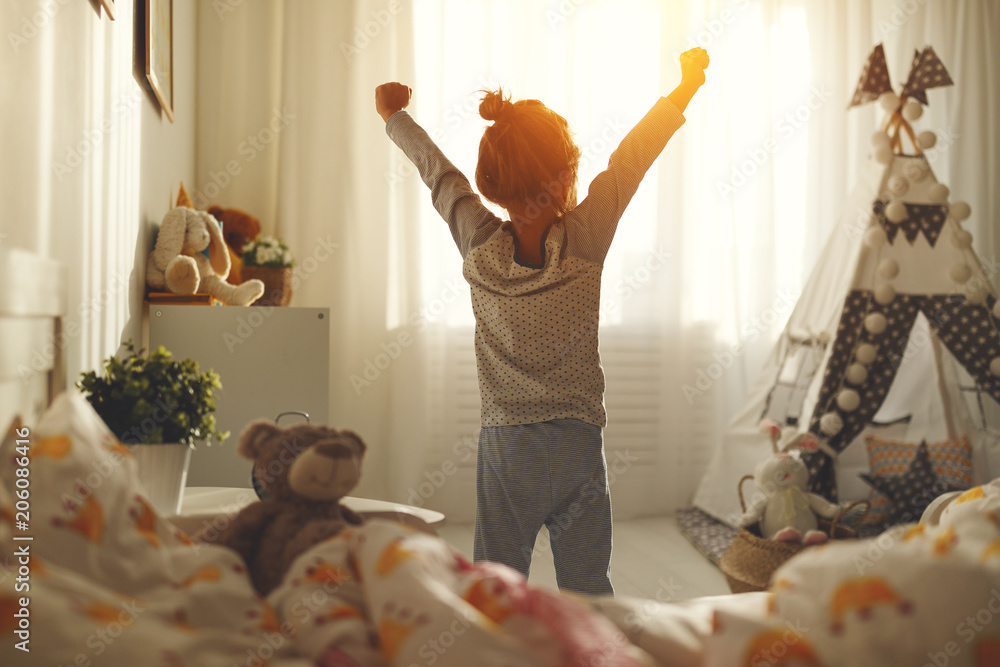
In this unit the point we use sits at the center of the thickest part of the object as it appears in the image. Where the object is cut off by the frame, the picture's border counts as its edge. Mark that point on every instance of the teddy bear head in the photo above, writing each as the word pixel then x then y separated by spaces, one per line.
pixel 303 462
pixel 238 227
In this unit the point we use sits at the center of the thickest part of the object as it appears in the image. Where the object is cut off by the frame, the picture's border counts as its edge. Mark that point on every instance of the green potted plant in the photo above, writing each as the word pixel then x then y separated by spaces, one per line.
pixel 269 260
pixel 159 408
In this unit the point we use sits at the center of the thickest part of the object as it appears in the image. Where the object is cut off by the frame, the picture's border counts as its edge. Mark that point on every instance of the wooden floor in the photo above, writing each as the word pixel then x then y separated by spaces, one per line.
pixel 651 559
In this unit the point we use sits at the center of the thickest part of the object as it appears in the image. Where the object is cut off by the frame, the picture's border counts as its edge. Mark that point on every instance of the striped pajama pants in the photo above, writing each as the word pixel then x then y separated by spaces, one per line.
pixel 553 474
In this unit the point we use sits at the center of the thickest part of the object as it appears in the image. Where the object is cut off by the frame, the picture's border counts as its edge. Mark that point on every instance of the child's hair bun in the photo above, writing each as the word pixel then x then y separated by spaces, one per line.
pixel 494 105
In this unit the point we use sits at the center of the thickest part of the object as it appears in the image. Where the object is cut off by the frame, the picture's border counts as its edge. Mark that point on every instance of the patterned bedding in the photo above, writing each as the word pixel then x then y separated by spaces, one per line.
pixel 90 575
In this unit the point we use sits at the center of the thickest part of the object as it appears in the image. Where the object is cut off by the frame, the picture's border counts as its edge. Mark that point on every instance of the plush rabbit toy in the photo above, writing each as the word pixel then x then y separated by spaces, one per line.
pixel 785 510
pixel 190 255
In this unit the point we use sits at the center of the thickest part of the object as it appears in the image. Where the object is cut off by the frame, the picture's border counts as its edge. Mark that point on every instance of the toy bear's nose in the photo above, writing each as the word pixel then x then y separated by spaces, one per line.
pixel 334 450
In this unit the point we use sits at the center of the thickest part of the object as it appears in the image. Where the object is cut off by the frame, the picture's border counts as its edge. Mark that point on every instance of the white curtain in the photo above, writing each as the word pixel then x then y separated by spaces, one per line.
pixel 709 257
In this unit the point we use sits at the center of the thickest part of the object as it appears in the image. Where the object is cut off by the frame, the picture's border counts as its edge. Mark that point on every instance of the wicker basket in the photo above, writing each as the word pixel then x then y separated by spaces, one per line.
pixel 277 284
pixel 750 560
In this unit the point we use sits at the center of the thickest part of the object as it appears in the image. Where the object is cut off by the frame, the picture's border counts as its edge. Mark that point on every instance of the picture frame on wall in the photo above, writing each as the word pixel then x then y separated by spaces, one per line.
pixel 109 8
pixel 160 52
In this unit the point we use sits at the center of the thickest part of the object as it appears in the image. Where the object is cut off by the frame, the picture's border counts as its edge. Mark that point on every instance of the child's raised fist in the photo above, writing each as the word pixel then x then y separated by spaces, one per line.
pixel 390 98
pixel 693 64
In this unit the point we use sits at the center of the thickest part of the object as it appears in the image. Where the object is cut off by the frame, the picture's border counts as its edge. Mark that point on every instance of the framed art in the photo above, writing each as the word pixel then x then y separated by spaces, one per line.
pixel 160 52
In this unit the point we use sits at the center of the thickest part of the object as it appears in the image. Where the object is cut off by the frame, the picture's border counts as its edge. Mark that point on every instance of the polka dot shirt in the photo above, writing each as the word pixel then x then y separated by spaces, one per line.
pixel 536 326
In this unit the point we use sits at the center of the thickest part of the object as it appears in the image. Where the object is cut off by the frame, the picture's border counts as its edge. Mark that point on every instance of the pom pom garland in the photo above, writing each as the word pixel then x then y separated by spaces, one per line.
pixel 912 110
pixel 848 400
pixel 960 273
pixel 866 353
pixel 888 269
pixel 880 139
pixel 962 239
pixel 884 294
pixel 875 323
pixel 883 154
pixel 896 211
pixel 831 423
pixel 938 193
pixel 889 101
pixel 926 139
pixel 960 211
pixel 856 374
pixel 876 237
pixel 976 298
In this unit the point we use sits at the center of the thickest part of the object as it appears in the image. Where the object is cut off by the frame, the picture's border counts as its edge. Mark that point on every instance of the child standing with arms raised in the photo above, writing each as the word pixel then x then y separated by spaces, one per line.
pixel 536 282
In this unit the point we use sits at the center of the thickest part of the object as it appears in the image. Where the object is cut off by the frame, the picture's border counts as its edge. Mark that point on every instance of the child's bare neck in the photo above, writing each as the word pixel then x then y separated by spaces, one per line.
pixel 530 232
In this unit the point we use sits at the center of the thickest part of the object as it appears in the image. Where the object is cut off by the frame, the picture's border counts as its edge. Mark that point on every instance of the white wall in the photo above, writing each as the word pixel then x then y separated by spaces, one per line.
pixel 89 164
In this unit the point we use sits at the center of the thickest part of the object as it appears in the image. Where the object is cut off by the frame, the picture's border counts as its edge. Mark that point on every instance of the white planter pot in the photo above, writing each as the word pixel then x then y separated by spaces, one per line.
pixel 163 474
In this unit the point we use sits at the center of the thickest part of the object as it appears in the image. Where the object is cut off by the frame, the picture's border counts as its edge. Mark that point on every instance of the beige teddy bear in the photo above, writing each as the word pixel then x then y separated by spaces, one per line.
pixel 191 256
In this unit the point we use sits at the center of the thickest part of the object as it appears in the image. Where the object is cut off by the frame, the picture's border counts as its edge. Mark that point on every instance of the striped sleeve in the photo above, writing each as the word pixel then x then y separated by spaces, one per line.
pixel 595 220
pixel 470 222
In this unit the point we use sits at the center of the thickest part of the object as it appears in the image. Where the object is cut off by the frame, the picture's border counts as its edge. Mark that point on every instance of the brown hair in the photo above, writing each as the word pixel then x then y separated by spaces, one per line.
pixel 526 155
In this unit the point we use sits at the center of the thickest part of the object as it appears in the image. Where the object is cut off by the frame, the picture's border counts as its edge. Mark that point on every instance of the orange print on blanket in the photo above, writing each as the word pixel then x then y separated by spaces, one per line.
pixel 327 573
pixel 56 448
pixel 862 595
pixel 119 448
pixel 396 626
pixel 485 596
pixel 945 543
pixel 992 550
pixel 917 530
pixel 207 574
pixel 145 521
pixel 975 493
pixel 392 557
pixel 103 612
pixel 341 612
pixel 87 521
pixel 787 643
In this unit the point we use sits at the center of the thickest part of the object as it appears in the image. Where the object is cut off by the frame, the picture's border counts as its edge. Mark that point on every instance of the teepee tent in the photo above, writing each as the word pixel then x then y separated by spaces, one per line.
pixel 896 307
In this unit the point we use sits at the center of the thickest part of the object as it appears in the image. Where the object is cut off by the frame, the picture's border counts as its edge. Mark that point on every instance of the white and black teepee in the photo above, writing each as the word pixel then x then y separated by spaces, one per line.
pixel 884 318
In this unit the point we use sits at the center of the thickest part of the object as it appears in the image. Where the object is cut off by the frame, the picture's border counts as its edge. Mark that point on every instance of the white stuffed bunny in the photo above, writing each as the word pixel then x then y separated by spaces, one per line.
pixel 190 254
pixel 785 510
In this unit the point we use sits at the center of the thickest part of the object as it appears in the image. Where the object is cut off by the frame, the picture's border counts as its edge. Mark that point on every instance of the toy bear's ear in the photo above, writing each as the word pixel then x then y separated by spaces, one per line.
pixel 254 436
pixel 356 440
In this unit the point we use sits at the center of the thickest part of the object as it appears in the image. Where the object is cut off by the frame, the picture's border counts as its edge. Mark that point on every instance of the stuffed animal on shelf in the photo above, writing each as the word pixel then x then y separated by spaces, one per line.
pixel 785 510
pixel 238 227
pixel 306 469
pixel 190 256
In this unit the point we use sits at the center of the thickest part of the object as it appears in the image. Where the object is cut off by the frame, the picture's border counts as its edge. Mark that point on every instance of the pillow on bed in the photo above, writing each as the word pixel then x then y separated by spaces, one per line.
pixel 950 461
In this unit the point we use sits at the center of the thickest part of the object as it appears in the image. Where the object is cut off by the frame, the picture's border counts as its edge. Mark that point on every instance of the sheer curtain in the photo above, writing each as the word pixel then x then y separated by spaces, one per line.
pixel 710 255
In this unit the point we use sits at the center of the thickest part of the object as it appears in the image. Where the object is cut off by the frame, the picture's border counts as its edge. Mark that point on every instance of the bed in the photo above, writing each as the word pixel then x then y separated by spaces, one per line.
pixel 91 575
